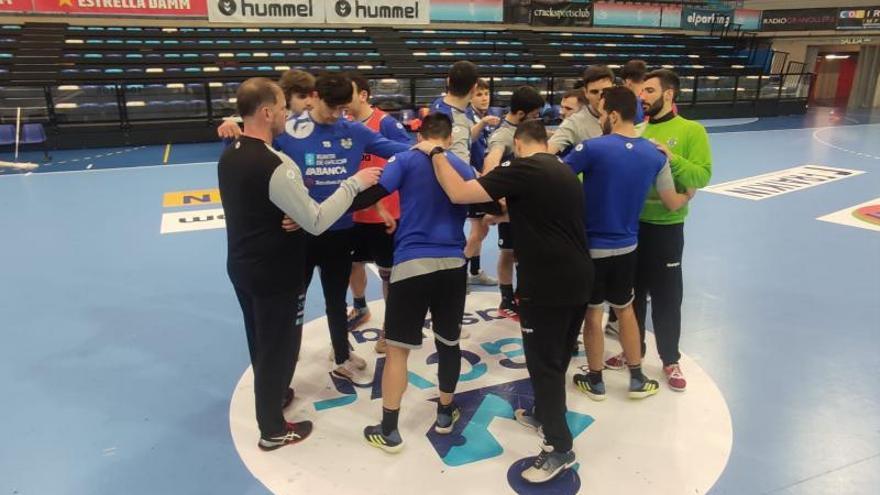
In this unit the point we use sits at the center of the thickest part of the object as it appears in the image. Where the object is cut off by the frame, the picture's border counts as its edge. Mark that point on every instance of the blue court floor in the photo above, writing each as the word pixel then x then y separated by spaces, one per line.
pixel 121 346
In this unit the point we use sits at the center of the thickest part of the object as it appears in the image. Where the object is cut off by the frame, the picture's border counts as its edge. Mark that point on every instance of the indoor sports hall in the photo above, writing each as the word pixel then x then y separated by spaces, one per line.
pixel 124 364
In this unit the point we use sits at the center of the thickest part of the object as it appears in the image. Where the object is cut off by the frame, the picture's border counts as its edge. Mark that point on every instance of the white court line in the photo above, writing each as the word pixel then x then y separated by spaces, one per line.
pixel 840 148
pixel 117 169
pixel 797 129
pixel 372 267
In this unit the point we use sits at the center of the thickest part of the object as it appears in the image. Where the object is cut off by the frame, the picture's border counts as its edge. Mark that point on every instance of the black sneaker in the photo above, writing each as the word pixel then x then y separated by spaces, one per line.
pixel 389 443
pixel 294 433
pixel 548 465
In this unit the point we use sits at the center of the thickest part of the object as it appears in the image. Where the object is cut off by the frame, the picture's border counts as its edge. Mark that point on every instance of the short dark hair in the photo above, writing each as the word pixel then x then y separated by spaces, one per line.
pixel 482 83
pixel 668 80
pixel 361 82
pixel 462 78
pixel 634 70
pixel 621 100
pixel 296 82
pixel 532 131
pixel 436 126
pixel 334 88
pixel 595 73
pixel 576 93
pixel 525 99
pixel 253 94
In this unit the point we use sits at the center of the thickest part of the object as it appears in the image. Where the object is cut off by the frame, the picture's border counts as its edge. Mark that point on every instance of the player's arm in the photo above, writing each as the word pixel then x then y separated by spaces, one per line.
pixel 460 191
pixel 288 192
pixel 379 145
pixel 564 136
pixel 229 128
pixel 665 185
pixel 493 159
pixel 477 128
pixel 695 170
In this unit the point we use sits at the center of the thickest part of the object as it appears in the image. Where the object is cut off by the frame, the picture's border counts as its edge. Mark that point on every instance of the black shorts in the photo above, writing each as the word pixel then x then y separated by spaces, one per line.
pixel 409 300
pixel 474 212
pixel 371 243
pixel 614 280
pixel 505 236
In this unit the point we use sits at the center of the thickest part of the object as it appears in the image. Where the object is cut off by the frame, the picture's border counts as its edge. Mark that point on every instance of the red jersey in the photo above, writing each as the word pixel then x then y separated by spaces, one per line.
pixel 391 202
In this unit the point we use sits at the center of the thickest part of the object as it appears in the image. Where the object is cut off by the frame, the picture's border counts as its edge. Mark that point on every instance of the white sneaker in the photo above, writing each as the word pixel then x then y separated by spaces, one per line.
pixel 353 371
pixel 482 279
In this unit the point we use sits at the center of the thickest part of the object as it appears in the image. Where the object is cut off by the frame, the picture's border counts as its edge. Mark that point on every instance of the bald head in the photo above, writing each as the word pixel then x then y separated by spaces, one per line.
pixel 255 93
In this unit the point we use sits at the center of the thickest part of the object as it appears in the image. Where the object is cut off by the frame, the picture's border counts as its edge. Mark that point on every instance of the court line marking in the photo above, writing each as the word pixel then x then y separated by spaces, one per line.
pixel 114 169
pixel 840 148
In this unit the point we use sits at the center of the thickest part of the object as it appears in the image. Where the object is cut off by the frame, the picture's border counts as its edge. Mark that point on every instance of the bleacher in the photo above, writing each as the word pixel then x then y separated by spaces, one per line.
pixel 79 75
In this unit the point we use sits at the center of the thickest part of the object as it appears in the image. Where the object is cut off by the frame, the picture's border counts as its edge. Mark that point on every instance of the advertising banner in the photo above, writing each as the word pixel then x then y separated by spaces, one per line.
pixel 468 11
pixel 176 8
pixel 392 12
pixel 636 15
pixel 267 11
pixel 799 20
pixel 862 18
pixel 16 5
pixel 748 19
pixel 554 13
pixel 697 19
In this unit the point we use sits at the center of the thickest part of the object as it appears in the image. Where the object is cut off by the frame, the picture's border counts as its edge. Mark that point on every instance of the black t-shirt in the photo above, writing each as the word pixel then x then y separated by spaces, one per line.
pixel 545 202
pixel 262 258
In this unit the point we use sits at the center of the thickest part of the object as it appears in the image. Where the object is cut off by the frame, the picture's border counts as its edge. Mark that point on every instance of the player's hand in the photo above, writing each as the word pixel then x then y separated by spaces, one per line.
pixel 425 147
pixel 663 149
pixel 390 222
pixel 289 225
pixel 489 220
pixel 367 177
pixel 490 120
pixel 229 129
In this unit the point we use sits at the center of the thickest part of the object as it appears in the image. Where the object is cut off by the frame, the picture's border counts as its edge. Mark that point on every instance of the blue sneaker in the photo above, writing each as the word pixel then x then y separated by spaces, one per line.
pixel 446 422
pixel 389 443
pixel 595 391
pixel 640 389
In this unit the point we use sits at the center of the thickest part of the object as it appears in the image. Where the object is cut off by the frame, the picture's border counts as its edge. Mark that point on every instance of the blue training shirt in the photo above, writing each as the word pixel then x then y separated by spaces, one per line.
pixel 430 225
pixel 462 121
pixel 618 173
pixel 327 154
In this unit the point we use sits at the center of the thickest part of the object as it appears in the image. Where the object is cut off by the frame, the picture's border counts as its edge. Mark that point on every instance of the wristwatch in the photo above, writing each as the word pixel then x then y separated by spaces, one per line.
pixel 436 151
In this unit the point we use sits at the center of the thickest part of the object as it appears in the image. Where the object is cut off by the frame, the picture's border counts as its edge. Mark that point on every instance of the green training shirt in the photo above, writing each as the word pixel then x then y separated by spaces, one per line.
pixel 690 159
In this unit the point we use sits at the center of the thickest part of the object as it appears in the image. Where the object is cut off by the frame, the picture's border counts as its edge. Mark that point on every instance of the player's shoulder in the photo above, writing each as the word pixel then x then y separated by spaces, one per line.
pixel 691 125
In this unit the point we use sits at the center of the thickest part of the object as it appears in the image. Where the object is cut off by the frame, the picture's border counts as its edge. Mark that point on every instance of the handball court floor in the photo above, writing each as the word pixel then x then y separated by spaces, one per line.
pixel 121 346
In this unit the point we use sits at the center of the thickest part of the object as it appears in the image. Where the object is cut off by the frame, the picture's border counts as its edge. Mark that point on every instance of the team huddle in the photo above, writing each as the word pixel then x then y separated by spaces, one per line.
pixel 588 215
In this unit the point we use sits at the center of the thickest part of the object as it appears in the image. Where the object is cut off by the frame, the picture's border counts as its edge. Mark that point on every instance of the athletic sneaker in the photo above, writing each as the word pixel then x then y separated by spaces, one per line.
pixel 548 465
pixel 616 362
pixel 612 329
pixel 482 279
pixel 332 354
pixel 675 377
pixel 353 370
pixel 527 419
pixel 294 433
pixel 509 309
pixel 357 317
pixel 446 422
pixel 595 391
pixel 389 443
pixel 640 389
pixel 288 399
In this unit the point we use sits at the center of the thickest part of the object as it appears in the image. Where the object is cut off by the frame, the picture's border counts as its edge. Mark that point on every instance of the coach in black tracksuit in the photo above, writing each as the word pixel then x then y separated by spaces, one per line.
pixel 258 186
pixel 555 275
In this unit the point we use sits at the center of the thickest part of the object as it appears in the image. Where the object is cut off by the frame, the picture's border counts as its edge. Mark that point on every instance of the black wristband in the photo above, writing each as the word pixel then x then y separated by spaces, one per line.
pixel 436 151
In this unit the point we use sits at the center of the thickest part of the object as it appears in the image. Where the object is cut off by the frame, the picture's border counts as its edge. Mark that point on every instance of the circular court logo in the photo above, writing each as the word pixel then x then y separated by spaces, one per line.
pixel 869 214
pixel 669 443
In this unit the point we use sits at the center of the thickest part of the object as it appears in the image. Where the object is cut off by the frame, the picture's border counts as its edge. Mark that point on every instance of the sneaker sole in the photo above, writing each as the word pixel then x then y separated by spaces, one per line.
pixel 595 397
pixel 677 389
pixel 348 378
pixel 642 394
pixel 269 448
pixel 386 448
pixel 552 475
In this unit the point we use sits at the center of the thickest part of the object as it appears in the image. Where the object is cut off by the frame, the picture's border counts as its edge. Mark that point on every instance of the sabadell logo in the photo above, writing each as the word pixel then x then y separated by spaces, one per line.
pixel 488 449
